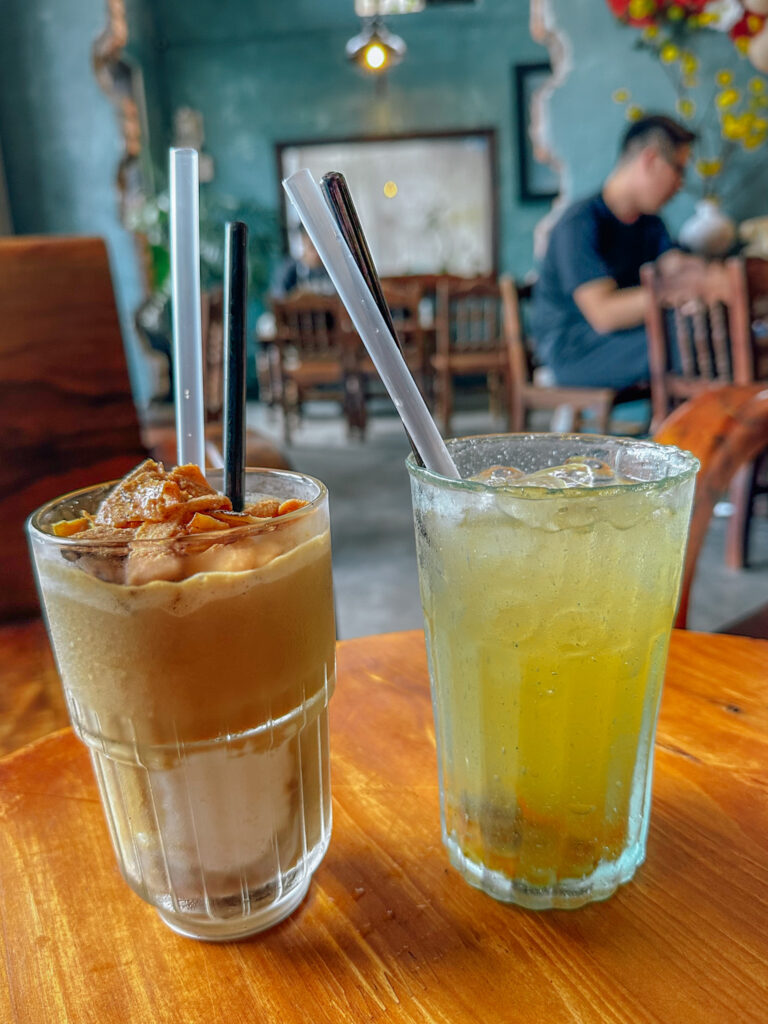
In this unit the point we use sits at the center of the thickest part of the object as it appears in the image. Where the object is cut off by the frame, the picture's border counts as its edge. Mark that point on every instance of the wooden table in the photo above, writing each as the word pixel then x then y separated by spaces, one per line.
pixel 389 931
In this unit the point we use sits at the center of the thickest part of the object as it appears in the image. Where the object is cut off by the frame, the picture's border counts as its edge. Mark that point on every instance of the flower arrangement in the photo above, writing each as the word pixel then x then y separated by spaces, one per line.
pixel 728 118
pixel 745 21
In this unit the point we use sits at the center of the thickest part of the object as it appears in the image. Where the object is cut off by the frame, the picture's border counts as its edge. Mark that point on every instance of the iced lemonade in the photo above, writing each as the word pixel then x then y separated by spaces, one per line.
pixel 548 600
pixel 196 651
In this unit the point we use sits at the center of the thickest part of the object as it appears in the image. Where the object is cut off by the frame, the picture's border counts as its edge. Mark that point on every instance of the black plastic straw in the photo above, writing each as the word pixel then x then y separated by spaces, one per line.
pixel 235 298
pixel 339 199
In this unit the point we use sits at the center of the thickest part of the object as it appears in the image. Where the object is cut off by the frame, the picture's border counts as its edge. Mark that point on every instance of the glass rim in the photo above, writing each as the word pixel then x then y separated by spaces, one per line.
pixel 80 540
pixel 689 466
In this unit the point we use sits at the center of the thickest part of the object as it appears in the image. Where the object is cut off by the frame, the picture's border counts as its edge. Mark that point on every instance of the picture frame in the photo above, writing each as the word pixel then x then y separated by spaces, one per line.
pixel 427 200
pixel 537 182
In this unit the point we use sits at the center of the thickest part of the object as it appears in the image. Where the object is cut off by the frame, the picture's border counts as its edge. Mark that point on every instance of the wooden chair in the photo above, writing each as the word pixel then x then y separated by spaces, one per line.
pixel 751 277
pixel 315 357
pixel 469 342
pixel 403 296
pixel 583 406
pixel 725 428
pixel 67 416
pixel 707 315
pixel 404 301
pixel 703 312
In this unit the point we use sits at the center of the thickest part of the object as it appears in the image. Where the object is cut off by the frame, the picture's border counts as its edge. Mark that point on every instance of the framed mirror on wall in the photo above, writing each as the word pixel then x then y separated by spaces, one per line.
pixel 536 181
pixel 427 202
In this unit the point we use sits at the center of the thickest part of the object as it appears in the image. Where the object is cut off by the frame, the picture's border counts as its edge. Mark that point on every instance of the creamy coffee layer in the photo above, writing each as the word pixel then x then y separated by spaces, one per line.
pixel 223 631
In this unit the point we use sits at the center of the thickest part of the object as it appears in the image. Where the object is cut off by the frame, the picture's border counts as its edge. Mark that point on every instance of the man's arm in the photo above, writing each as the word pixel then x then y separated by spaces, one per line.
pixel 607 308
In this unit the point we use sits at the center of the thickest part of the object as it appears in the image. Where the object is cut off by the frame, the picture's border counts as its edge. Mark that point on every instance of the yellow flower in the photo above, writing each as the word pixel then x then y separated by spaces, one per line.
pixel 675 13
pixel 709 168
pixel 733 127
pixel 760 125
pixel 754 24
pixel 669 53
pixel 650 32
pixel 621 95
pixel 756 86
pixel 727 98
pixel 634 113
pixel 686 107
pixel 690 64
pixel 724 77
pixel 641 8
pixel 742 44
pixel 754 140
pixel 708 18
pixel 694 21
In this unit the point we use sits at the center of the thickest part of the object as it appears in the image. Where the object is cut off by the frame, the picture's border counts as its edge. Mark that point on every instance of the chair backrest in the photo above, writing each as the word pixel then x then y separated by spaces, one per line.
pixel 469 316
pixel 67 417
pixel 403 298
pixel 702 313
pixel 311 323
pixel 725 428
pixel 512 295
pixel 755 276
pixel 428 283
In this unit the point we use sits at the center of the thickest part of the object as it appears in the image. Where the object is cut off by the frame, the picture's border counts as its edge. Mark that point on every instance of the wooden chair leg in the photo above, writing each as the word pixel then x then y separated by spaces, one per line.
pixel 354 403
pixel 289 399
pixel 426 381
pixel 602 417
pixel 275 376
pixel 445 401
pixel 516 416
pixel 741 494
pixel 493 395
pixel 515 409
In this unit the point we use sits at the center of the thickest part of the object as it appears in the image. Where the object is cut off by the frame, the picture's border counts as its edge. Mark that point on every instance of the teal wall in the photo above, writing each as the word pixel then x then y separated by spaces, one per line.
pixel 263 71
pixel 60 139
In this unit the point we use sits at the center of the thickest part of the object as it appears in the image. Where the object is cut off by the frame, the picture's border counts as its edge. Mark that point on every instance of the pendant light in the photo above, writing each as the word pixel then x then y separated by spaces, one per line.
pixel 375 48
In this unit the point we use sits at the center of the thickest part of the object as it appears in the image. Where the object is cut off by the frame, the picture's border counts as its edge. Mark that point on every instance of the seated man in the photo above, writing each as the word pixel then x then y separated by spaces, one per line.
pixel 588 306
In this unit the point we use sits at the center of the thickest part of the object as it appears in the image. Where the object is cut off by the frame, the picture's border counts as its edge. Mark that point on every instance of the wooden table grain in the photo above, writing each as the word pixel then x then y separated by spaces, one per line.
pixel 389 931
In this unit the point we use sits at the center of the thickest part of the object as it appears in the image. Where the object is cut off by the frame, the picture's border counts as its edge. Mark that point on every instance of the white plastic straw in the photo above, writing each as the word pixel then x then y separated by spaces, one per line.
pixel 306 196
pixel 185 290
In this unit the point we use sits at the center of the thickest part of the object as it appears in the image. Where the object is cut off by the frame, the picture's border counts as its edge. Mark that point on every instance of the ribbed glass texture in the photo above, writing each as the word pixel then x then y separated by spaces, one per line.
pixel 548 606
pixel 223 836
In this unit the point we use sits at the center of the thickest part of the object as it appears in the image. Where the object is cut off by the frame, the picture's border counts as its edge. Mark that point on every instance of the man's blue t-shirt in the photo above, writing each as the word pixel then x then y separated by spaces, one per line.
pixel 588 243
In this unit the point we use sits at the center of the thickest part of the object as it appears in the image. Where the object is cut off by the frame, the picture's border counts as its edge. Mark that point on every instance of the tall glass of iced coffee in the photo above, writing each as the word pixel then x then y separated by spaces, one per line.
pixel 196 651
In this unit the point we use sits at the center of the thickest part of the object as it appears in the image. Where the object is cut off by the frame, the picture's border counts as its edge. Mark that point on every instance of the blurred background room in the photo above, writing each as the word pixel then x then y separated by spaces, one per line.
pixel 464 128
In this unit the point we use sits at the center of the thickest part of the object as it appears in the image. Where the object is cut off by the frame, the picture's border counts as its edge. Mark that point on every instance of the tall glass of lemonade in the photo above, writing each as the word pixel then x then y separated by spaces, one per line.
pixel 196 647
pixel 549 579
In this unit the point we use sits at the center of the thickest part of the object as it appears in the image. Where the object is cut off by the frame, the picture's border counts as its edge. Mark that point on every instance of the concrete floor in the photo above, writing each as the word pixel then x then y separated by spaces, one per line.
pixel 372 530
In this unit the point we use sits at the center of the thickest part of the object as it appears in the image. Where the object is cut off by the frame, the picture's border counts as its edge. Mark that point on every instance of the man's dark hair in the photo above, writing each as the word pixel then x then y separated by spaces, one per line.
pixel 655 130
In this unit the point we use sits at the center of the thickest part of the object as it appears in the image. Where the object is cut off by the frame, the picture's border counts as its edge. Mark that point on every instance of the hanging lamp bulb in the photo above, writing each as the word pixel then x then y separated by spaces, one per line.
pixel 375 48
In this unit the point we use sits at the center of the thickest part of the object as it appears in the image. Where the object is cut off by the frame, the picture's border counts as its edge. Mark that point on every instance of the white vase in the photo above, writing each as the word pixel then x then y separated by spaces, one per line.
pixel 709 231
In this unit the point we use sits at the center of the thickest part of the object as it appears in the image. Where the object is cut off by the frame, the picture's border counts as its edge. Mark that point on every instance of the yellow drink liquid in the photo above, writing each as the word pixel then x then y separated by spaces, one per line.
pixel 548 615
